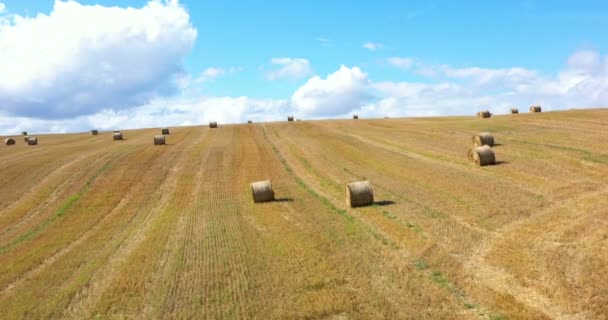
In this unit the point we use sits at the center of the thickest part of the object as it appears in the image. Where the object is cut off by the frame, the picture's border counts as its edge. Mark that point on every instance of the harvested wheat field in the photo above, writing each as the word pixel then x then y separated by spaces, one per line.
pixel 95 229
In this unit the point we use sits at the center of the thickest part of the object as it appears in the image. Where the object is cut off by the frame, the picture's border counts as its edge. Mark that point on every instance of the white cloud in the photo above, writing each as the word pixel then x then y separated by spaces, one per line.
pixel 582 83
pixel 80 59
pixel 372 46
pixel 343 90
pixel 447 90
pixel 159 112
pixel 290 68
pixel 213 72
pixel 2 7
pixel 209 74
pixel 401 63
pixel 584 59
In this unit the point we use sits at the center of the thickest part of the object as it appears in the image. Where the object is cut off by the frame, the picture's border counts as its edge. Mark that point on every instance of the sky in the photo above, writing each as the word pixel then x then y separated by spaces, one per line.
pixel 70 66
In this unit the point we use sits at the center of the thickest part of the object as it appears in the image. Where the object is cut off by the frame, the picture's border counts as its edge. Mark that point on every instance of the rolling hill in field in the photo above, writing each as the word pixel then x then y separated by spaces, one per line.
pixel 91 227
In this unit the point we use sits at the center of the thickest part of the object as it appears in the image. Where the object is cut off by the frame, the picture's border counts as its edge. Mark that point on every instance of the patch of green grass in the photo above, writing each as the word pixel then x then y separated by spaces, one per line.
pixel 421 265
pixel 495 316
pixel 384 240
pixel 388 214
pixel 440 279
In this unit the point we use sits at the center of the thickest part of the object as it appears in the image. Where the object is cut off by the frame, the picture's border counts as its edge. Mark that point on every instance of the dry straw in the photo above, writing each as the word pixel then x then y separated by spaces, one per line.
pixel 94 132
pixel 355 117
pixel 359 194
pixel 32 141
pixel 535 109
pixel 262 191
pixel 290 118
pixel 484 114
pixel 213 124
pixel 117 135
pixel 514 111
pixel 159 140
pixel 483 139
pixel 9 141
pixel 164 131
pixel 25 138
pixel 482 156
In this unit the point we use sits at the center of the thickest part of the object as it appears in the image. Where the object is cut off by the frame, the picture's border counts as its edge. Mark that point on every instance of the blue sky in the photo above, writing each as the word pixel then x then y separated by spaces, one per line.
pixel 492 46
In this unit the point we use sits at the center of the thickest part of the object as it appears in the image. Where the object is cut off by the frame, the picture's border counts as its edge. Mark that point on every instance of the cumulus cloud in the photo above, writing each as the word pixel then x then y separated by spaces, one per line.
pixel 372 46
pixel 445 90
pixel 2 7
pixel 80 59
pixel 583 82
pixel 290 68
pixel 343 90
pixel 175 111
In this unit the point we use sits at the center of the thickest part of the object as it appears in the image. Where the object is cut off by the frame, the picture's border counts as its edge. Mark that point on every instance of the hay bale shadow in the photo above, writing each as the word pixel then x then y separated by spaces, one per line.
pixel 499 163
pixel 384 203
pixel 283 200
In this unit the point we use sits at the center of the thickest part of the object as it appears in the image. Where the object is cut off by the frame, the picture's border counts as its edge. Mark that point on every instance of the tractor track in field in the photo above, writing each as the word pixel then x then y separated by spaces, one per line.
pixel 456 218
pixel 84 301
pixel 48 201
pixel 500 280
pixel 61 252
pixel 173 248
pixel 452 165
pixel 171 231
pixel 377 231
pixel 55 173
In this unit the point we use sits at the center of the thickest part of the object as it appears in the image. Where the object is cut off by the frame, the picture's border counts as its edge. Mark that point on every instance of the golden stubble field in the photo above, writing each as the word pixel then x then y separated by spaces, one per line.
pixel 95 228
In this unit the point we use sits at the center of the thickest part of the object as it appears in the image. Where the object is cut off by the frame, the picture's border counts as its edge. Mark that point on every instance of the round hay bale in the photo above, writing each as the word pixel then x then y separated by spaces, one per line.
pixel 25 138
pixel 249 121
pixel 484 114
pixel 117 135
pixel 482 156
pixel 290 118
pixel 483 139
pixel 9 141
pixel 24 133
pixel 359 194
pixel 94 132
pixel 514 111
pixel 213 124
pixel 32 141
pixel 355 117
pixel 535 109
pixel 159 140
pixel 262 191
pixel 164 131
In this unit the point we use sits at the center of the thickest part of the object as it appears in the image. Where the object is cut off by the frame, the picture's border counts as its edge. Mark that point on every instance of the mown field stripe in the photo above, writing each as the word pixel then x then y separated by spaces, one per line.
pixel 303 185
pixel 65 206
